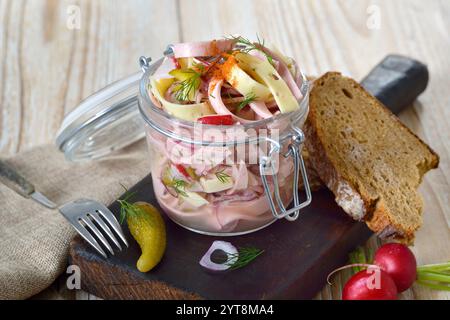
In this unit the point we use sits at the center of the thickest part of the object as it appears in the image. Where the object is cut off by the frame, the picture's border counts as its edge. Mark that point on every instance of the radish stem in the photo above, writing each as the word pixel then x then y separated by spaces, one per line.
pixel 435 267
pixel 358 256
pixel 433 285
pixel 433 276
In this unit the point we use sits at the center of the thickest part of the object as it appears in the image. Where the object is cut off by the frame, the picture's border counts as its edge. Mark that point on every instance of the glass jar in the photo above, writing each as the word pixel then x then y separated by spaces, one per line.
pixel 215 180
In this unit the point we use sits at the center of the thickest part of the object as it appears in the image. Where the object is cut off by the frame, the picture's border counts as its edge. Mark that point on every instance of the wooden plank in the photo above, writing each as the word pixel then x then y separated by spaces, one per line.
pixel 48 68
pixel 298 256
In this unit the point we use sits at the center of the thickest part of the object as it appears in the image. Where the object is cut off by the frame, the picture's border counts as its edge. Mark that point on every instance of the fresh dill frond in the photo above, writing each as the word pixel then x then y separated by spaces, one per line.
pixel 245 256
pixel 126 207
pixel 248 46
pixel 222 176
pixel 186 88
pixel 179 186
pixel 247 100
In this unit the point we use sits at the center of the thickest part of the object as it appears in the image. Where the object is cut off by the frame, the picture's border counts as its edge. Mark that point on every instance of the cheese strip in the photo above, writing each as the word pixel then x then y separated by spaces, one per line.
pixel 190 112
pixel 245 85
pixel 262 70
pixel 283 70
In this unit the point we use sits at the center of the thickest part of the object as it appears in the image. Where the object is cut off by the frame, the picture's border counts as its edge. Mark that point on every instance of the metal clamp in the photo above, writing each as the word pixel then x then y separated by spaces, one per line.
pixel 144 63
pixel 267 163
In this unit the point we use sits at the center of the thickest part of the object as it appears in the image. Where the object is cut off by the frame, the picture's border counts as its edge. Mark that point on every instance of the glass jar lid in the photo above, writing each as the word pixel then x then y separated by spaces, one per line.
pixel 104 122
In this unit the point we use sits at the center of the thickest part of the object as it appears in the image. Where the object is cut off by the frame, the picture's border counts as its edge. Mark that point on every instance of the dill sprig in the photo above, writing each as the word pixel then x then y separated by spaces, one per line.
pixel 179 186
pixel 222 176
pixel 127 207
pixel 245 256
pixel 187 87
pixel 247 100
pixel 248 46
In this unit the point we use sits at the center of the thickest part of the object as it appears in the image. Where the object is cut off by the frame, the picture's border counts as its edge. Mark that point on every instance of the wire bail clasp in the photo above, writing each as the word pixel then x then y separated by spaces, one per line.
pixel 267 163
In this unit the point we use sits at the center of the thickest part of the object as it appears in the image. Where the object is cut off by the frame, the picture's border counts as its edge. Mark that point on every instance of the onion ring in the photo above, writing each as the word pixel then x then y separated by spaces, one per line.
pixel 215 99
pixel 261 109
pixel 230 251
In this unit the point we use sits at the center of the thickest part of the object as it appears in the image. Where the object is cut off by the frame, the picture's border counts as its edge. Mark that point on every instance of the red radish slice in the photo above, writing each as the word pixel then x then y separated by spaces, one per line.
pixel 176 63
pixel 230 251
pixel 219 120
pixel 370 284
pixel 182 170
pixel 399 262
pixel 202 49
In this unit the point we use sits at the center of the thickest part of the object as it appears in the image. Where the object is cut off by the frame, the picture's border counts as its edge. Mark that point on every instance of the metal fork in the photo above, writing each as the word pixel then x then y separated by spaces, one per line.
pixel 91 219
pixel 85 215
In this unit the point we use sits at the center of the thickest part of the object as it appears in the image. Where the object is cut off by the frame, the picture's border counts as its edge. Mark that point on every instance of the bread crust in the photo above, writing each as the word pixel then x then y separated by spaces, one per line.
pixel 372 211
pixel 326 169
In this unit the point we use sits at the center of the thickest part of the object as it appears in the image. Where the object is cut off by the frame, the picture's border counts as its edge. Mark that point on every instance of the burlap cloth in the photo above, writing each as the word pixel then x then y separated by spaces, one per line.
pixel 34 240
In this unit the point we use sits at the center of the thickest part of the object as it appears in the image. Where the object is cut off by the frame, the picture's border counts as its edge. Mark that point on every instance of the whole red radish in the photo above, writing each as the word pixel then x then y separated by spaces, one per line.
pixel 399 262
pixel 370 284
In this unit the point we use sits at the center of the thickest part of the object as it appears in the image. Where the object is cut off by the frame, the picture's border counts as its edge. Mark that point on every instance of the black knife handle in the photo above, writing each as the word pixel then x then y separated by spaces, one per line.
pixel 12 179
pixel 397 81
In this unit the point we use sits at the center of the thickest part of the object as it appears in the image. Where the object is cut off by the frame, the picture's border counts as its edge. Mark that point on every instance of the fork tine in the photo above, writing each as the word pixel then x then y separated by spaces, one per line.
pixel 109 216
pixel 97 232
pixel 88 237
pixel 105 228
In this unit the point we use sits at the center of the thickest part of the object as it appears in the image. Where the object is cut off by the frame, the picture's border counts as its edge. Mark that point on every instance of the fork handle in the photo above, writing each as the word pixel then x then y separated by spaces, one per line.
pixel 13 180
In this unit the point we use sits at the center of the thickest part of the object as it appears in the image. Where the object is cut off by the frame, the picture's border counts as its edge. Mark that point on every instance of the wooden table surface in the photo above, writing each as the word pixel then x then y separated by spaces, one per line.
pixel 54 53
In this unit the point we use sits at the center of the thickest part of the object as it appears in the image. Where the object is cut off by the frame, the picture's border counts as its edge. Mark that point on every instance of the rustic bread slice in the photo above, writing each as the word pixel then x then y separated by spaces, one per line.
pixel 367 157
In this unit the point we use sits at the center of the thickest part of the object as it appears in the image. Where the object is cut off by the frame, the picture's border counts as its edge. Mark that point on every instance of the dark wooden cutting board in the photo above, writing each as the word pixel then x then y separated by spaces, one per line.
pixel 298 255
